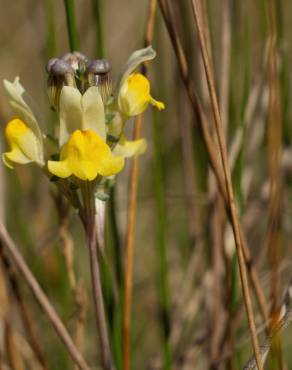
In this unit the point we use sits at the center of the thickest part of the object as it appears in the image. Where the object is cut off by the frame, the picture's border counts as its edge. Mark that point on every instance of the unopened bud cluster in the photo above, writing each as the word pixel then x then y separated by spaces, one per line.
pixel 76 70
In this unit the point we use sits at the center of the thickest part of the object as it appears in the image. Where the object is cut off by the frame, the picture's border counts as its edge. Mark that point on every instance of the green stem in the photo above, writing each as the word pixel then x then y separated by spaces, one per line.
pixel 163 269
pixel 97 11
pixel 71 25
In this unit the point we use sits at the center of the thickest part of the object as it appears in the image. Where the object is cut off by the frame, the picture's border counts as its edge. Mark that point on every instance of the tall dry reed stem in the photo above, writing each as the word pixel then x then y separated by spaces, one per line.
pixel 41 298
pixel 274 139
pixel 228 183
pixel 279 327
pixel 219 215
pixel 132 206
pixel 208 141
pixel 210 145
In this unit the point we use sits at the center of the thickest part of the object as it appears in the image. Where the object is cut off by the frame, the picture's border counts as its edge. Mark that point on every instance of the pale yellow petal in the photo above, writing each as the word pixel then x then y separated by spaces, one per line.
pixel 6 161
pixel 14 156
pixel 15 93
pixel 70 113
pixel 135 59
pixel 130 148
pixel 93 112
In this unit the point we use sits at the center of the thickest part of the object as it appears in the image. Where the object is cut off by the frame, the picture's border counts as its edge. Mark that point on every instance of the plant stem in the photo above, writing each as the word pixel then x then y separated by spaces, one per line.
pixel 91 241
pixel 99 305
pixel 71 25
pixel 229 187
pixel 42 299
pixel 132 203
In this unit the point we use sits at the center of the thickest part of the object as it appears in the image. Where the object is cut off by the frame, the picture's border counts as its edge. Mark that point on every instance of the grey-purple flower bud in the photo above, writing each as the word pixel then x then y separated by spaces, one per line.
pixel 99 66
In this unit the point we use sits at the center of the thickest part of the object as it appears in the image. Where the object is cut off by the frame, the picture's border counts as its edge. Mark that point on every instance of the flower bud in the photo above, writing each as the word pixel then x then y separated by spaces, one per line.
pixel 61 68
pixel 98 73
pixel 50 64
pixel 60 73
pixel 99 66
pixel 76 60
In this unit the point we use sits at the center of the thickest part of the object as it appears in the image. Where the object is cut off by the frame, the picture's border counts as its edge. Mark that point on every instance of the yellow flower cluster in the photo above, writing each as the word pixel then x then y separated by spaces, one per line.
pixel 86 149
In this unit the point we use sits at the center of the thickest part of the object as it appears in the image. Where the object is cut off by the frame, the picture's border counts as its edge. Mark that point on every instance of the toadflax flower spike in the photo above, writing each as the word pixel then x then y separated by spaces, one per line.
pixel 86 156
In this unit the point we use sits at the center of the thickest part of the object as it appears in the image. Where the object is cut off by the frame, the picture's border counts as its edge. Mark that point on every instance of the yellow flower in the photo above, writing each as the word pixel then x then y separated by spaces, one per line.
pixel 24 144
pixel 86 155
pixel 16 96
pixel 134 95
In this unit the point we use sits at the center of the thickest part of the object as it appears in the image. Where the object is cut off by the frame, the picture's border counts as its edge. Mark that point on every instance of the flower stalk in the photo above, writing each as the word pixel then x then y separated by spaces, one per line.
pixel 91 241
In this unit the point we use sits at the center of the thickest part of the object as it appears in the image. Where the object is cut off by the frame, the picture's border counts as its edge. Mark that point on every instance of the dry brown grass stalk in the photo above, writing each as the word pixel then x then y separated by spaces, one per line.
pixel 209 143
pixel 76 285
pixel 13 355
pixel 132 206
pixel 229 187
pixel 274 136
pixel 23 309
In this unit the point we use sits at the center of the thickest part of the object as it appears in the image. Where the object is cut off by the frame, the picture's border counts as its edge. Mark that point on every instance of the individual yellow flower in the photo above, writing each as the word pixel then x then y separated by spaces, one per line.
pixel 24 145
pixel 86 155
pixel 17 96
pixel 134 95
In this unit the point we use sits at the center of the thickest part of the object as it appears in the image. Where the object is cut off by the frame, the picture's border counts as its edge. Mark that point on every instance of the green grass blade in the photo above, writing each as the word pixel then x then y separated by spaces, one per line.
pixel 71 25
pixel 97 11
